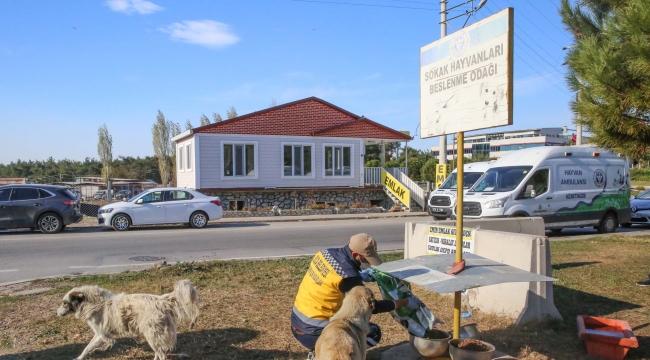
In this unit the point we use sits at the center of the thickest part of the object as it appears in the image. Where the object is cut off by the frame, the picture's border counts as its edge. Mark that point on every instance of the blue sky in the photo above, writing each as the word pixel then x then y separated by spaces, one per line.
pixel 69 66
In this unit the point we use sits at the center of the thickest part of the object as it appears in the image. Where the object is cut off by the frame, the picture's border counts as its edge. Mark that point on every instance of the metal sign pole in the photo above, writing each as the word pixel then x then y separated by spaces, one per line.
pixel 459 225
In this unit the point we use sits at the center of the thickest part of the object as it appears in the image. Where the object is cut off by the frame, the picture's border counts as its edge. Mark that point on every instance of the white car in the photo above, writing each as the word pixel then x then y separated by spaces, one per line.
pixel 161 206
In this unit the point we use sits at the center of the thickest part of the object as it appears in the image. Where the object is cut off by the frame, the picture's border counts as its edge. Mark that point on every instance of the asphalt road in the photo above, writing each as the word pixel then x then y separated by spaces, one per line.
pixel 26 255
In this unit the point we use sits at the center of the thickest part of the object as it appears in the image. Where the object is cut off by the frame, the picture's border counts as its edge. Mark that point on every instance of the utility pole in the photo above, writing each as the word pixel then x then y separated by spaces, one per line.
pixel 578 134
pixel 578 125
pixel 442 157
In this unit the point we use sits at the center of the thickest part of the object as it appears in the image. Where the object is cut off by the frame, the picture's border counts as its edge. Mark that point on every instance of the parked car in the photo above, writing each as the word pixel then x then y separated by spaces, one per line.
pixel 161 206
pixel 122 194
pixel 640 206
pixel 100 195
pixel 48 208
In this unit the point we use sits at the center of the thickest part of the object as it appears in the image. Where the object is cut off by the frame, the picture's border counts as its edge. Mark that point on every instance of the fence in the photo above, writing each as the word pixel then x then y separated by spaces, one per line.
pixel 417 193
pixel 372 175
pixel 92 192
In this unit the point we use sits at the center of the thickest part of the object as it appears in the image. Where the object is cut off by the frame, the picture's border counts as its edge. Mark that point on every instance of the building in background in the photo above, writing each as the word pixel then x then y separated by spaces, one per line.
pixel 494 145
pixel 13 181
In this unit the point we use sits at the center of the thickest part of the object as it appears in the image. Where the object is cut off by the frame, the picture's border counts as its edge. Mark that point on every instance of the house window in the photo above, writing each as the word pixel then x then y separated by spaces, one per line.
pixel 239 160
pixel 338 160
pixel 188 151
pixel 298 160
pixel 180 158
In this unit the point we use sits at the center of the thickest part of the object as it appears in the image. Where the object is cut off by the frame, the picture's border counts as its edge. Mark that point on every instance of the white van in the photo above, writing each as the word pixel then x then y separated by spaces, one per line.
pixel 442 201
pixel 568 186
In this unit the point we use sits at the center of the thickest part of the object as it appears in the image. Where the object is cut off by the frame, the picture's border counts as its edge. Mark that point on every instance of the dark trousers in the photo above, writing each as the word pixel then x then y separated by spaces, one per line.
pixel 309 340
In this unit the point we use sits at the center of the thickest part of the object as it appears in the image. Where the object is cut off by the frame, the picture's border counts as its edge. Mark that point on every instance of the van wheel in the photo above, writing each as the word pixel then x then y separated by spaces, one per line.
pixel 50 223
pixel 626 225
pixel 608 224
pixel 556 231
pixel 121 222
pixel 199 220
pixel 519 215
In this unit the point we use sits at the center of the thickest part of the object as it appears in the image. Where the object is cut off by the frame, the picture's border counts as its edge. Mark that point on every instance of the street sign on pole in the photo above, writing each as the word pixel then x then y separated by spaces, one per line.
pixel 442 171
pixel 466 78
pixel 466 84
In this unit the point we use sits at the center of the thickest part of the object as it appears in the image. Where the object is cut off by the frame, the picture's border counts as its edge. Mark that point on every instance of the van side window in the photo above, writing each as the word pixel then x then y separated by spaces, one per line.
pixel 539 181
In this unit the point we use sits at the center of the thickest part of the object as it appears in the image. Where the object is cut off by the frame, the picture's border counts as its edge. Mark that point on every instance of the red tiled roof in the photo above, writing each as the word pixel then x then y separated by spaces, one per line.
pixel 362 128
pixel 307 117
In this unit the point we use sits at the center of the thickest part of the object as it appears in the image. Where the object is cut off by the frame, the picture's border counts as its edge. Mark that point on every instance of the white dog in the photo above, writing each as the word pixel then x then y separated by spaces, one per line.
pixel 117 315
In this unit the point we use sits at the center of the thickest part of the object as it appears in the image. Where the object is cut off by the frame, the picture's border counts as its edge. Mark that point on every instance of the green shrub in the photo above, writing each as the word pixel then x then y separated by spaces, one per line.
pixel 640 174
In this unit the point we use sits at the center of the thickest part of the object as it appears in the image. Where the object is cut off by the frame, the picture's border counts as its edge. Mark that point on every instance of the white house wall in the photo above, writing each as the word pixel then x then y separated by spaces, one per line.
pixel 270 162
pixel 186 177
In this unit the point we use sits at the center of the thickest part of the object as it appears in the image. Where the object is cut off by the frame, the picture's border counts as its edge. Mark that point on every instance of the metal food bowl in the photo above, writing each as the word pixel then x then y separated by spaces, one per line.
pixel 459 354
pixel 470 331
pixel 431 347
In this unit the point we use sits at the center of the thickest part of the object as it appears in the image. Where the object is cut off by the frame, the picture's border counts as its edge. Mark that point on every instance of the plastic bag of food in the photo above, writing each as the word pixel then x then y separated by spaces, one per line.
pixel 415 321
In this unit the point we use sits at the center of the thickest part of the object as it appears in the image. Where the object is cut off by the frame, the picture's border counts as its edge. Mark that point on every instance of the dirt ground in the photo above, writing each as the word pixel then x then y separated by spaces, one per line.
pixel 245 308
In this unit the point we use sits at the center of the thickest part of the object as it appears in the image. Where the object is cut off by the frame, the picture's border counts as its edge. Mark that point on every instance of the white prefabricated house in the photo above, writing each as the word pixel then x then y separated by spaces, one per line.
pixel 285 156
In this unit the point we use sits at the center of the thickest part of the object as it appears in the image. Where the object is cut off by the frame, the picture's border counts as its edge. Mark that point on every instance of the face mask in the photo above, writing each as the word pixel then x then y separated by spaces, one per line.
pixel 365 266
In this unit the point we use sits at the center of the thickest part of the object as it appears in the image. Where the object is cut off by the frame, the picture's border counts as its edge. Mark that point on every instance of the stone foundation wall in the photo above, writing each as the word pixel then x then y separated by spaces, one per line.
pixel 291 212
pixel 295 200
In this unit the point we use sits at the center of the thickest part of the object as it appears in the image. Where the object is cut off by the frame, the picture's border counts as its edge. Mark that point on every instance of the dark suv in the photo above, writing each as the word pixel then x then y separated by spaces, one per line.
pixel 48 208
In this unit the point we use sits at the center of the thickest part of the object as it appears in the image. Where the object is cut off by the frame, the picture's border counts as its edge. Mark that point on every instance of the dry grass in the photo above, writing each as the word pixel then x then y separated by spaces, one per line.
pixel 246 307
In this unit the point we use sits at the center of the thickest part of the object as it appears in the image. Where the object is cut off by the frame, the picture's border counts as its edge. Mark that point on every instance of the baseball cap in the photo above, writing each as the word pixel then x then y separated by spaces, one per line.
pixel 365 245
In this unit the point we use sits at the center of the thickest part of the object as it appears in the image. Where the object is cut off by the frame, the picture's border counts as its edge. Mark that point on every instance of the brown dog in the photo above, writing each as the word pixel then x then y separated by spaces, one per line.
pixel 344 338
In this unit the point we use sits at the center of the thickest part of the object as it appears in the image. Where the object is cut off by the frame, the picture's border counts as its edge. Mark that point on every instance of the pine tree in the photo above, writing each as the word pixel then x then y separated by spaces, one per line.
pixel 609 70
pixel 231 113
pixel 188 125
pixel 217 117
pixel 204 120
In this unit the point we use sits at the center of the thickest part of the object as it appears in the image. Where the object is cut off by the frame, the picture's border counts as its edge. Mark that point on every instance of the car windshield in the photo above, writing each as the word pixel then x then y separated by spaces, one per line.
pixel 644 195
pixel 501 179
pixel 469 178
pixel 135 197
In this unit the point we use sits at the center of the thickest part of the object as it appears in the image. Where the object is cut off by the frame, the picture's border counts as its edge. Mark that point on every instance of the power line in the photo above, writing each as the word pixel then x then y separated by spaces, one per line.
pixel 414 2
pixel 368 5
pixel 538 55
pixel 537 27
pixel 540 74
pixel 533 41
pixel 531 67
pixel 547 19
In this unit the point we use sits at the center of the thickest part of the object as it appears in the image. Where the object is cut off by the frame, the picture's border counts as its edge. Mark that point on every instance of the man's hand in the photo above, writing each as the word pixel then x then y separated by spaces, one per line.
pixel 365 275
pixel 410 302
pixel 414 303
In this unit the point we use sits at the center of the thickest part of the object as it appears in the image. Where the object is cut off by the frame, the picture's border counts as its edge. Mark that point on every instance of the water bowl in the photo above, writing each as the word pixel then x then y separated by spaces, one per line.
pixel 435 344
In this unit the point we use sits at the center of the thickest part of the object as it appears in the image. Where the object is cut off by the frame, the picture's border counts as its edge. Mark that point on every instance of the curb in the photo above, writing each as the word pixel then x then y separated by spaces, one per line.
pixel 297 219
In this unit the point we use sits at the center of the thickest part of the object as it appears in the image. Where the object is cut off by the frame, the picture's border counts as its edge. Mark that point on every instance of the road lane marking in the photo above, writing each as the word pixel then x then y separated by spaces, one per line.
pixel 109 266
pixel 11 270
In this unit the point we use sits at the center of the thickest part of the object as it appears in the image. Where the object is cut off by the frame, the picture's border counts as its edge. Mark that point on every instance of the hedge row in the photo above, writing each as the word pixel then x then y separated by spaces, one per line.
pixel 640 174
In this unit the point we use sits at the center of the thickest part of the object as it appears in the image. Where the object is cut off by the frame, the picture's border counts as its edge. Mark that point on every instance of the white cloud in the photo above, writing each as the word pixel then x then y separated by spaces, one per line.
pixel 133 6
pixel 208 33
pixel 373 76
